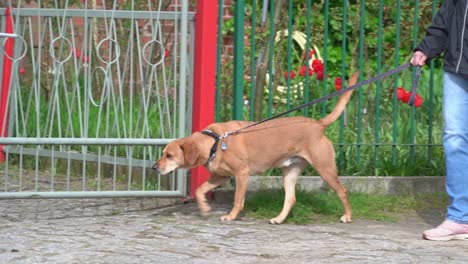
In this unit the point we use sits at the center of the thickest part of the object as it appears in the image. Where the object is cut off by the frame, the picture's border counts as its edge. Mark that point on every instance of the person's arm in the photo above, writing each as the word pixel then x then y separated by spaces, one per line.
pixel 436 40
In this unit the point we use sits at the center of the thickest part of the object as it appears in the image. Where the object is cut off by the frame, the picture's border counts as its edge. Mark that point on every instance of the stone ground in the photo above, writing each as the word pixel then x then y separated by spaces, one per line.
pixel 145 231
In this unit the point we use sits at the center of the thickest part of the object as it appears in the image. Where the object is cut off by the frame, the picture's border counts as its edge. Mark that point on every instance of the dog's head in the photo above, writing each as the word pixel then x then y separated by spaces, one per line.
pixel 179 153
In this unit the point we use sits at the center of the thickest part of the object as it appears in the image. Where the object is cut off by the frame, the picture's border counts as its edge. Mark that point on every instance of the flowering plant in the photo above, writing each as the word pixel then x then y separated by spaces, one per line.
pixel 404 96
pixel 314 67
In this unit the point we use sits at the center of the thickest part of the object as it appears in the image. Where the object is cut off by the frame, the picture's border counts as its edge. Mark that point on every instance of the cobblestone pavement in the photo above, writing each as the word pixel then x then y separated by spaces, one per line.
pixel 143 231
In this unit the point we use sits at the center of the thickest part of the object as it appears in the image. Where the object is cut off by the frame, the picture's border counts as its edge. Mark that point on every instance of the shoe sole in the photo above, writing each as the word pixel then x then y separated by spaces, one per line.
pixel 447 238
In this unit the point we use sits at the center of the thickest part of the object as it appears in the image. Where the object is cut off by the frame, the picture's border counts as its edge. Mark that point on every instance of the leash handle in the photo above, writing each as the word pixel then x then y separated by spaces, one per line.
pixel 414 86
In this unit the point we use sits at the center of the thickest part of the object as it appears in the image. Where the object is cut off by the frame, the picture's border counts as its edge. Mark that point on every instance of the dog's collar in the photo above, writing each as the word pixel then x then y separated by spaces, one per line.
pixel 216 137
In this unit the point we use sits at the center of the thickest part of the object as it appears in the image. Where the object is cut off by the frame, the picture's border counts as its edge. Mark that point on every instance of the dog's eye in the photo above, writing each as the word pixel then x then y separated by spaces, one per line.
pixel 168 156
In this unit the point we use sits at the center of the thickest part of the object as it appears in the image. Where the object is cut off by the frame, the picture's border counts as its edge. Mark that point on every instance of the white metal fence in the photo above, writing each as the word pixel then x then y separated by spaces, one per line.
pixel 92 97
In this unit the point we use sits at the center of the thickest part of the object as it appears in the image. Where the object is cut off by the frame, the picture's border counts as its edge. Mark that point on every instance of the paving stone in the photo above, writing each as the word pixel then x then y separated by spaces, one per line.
pixel 144 231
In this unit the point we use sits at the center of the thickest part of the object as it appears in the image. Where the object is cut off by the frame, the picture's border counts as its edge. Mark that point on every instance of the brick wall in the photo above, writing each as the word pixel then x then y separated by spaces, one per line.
pixel 228 41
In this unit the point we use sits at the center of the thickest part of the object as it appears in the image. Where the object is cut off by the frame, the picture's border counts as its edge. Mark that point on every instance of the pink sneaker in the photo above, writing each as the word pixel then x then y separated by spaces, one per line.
pixel 448 230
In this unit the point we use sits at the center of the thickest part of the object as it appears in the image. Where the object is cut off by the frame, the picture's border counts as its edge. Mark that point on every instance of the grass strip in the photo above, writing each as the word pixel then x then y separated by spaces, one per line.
pixel 326 207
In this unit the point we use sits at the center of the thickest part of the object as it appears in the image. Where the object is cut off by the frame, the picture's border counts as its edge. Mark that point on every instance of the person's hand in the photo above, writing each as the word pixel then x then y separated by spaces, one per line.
pixel 418 59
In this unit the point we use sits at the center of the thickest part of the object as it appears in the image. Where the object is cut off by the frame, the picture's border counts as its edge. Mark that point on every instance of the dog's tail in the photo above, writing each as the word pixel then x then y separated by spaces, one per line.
pixel 341 105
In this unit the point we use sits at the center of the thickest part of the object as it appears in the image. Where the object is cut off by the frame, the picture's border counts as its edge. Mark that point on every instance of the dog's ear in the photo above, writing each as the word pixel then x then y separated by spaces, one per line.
pixel 191 153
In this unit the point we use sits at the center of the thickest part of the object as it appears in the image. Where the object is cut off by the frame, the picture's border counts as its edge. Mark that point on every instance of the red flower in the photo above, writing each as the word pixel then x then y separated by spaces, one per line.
pixel 166 53
pixel 291 75
pixel 22 70
pixel 302 71
pixel 85 59
pixel 400 93
pixel 76 52
pixel 317 65
pixel 311 53
pixel 318 68
pixel 338 83
pixel 418 101
pixel 320 75
pixel 406 97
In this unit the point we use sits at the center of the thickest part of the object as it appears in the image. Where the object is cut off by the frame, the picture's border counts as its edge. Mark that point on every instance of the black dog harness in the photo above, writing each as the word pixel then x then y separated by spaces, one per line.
pixel 216 137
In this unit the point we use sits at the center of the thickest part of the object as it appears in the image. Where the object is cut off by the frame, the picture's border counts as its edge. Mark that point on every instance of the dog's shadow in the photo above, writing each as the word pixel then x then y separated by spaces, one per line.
pixel 190 210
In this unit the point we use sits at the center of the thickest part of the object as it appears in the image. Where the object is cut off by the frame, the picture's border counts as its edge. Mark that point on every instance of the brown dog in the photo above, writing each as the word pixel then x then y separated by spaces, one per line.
pixel 288 143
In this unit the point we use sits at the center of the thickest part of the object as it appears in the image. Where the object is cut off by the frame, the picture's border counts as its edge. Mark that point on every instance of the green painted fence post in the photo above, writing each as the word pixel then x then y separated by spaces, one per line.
pixel 252 58
pixel 378 97
pixel 343 77
pixel 395 81
pixel 238 83
pixel 413 117
pixel 430 142
pixel 360 91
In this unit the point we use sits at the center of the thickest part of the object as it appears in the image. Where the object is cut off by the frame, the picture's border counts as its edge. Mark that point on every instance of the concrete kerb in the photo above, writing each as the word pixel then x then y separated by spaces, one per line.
pixel 392 185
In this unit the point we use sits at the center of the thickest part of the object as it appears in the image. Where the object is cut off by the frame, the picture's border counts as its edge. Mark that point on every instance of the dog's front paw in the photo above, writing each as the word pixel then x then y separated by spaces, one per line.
pixel 226 218
pixel 276 221
pixel 346 219
pixel 204 213
pixel 205 210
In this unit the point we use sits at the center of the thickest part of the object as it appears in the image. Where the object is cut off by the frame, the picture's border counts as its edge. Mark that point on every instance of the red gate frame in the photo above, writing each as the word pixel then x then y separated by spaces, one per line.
pixel 6 79
pixel 204 78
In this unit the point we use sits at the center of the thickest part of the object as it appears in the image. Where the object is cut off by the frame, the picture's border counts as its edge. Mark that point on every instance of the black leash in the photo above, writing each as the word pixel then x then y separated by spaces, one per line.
pixel 414 85
pixel 379 77
pixel 349 88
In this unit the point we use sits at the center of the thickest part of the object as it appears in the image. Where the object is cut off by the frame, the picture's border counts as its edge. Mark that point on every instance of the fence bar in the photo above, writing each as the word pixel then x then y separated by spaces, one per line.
pixel 183 87
pixel 70 155
pixel 252 58
pixel 271 45
pixel 341 150
pixel 289 59
pixel 325 54
pixel 89 194
pixel 431 98
pixel 83 141
pixel 307 56
pixel 413 114
pixel 219 58
pixel 238 59
pixel 127 14
pixel 378 91
pixel 362 21
pixel 395 102
pixel 8 35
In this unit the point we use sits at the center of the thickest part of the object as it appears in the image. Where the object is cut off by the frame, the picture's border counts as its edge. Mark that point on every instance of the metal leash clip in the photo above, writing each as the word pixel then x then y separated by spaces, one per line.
pixel 223 142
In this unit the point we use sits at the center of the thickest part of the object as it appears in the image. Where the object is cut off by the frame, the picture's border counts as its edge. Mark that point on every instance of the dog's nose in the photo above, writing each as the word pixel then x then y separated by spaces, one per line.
pixel 155 167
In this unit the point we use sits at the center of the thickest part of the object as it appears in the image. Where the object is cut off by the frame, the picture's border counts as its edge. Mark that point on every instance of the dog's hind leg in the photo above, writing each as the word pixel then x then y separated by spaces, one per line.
pixel 213 182
pixel 323 159
pixel 330 176
pixel 290 175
